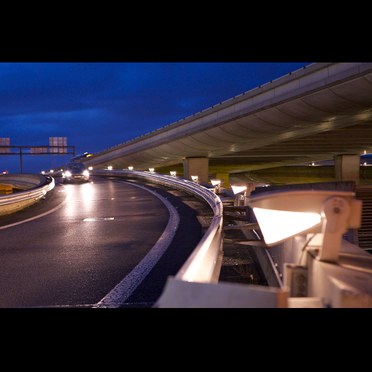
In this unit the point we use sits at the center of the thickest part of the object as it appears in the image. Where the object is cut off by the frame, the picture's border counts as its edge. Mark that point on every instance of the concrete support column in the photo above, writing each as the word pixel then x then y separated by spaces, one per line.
pixel 196 167
pixel 347 168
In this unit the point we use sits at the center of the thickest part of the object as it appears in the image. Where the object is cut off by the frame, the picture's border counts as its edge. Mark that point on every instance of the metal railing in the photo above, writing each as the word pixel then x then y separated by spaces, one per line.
pixel 32 186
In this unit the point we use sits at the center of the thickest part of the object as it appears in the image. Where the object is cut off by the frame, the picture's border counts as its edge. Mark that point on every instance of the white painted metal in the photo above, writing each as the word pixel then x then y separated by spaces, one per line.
pixel 34 187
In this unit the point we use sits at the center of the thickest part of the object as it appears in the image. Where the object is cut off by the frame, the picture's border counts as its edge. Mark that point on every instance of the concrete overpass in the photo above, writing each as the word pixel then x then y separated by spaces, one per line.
pixel 320 112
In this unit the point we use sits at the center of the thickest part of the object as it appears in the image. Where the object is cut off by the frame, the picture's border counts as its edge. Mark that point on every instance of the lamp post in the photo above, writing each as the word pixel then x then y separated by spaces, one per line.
pixel 282 215
pixel 195 179
pixel 240 192
pixel 328 271
pixel 217 185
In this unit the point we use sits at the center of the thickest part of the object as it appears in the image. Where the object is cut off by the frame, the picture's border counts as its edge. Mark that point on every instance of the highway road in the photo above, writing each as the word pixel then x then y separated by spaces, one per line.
pixel 74 247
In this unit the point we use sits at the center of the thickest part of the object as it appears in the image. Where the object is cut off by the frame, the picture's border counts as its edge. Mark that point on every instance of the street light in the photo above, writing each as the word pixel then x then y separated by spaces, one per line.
pixel 130 168
pixel 240 192
pixel 282 215
pixel 216 184
pixel 173 173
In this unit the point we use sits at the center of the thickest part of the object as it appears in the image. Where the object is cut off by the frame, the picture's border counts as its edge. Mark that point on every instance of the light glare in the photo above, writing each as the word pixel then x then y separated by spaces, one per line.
pixel 215 182
pixel 238 189
pixel 277 226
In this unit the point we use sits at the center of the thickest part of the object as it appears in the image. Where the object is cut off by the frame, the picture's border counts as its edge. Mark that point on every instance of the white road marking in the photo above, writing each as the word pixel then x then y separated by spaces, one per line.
pixel 33 218
pixel 119 294
pixel 94 219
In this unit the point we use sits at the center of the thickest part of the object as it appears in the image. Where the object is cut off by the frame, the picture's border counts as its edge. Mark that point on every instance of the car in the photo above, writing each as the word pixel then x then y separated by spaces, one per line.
pixel 75 172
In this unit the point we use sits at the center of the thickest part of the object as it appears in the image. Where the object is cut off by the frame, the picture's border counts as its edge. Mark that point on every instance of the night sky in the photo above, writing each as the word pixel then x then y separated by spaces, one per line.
pixel 99 105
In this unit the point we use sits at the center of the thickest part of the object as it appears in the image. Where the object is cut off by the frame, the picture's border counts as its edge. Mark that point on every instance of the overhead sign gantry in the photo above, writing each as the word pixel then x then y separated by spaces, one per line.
pixel 57 146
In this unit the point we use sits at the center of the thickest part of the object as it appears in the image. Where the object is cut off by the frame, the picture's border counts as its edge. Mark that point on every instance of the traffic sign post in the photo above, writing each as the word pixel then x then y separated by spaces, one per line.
pixel 57 146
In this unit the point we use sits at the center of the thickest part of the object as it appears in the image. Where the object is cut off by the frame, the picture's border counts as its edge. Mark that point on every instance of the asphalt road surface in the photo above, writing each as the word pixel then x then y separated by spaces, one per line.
pixel 73 248
pixel 94 236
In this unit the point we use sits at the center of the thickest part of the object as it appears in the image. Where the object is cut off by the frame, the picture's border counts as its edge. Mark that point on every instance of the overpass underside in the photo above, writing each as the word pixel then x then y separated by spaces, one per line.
pixel 297 175
pixel 319 113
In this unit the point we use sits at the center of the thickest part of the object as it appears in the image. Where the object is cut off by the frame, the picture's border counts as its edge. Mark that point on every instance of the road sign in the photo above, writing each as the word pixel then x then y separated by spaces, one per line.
pixel 4 142
pixel 58 145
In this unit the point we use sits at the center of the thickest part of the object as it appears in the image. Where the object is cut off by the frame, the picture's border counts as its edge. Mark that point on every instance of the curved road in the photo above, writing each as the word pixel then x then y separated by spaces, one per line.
pixel 75 255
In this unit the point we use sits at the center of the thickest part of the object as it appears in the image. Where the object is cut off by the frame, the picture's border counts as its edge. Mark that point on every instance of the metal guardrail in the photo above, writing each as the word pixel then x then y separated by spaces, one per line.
pixel 204 264
pixel 33 188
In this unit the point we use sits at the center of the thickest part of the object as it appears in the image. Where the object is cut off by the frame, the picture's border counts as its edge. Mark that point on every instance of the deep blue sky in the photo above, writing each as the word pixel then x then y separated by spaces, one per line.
pixel 99 105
